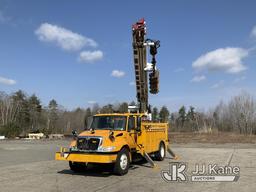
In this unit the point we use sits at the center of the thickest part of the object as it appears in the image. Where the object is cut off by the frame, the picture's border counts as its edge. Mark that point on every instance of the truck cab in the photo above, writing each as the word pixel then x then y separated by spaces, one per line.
pixel 116 138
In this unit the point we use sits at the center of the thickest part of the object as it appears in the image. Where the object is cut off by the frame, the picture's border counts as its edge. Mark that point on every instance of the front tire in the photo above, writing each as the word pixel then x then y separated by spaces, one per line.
pixel 160 154
pixel 122 163
pixel 77 166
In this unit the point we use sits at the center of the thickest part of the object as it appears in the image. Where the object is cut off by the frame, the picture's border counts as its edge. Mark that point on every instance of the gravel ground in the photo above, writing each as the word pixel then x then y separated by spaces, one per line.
pixel 30 166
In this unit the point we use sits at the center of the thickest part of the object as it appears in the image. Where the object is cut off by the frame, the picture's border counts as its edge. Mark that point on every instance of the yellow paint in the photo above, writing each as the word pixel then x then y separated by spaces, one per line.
pixel 92 158
pixel 151 135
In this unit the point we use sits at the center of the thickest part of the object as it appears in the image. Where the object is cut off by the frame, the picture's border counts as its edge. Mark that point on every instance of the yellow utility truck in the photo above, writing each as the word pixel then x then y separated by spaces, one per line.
pixel 118 138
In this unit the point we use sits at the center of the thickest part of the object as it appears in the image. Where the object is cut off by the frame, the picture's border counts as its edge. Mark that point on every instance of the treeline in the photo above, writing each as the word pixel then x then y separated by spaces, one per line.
pixel 238 116
pixel 21 114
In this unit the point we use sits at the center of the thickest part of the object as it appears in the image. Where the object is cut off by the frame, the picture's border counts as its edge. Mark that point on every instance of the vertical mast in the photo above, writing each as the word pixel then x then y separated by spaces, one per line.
pixel 141 66
pixel 140 62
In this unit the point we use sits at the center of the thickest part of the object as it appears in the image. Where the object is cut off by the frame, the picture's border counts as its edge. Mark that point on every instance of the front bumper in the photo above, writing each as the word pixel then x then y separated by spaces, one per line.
pixel 86 157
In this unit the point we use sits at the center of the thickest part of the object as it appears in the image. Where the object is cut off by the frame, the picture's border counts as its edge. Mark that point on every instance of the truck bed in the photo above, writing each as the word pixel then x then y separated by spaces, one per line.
pixel 151 135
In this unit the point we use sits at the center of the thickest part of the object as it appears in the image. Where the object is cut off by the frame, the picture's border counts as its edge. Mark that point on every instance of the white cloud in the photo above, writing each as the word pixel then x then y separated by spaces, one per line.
pixel 132 83
pixel 253 32
pixel 64 38
pixel 197 79
pixel 217 85
pixel 92 102
pixel 224 59
pixel 90 56
pixel 117 73
pixel 6 81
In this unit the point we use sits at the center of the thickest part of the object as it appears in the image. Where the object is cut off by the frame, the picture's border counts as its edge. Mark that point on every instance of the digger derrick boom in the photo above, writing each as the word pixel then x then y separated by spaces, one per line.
pixel 140 62
pixel 140 65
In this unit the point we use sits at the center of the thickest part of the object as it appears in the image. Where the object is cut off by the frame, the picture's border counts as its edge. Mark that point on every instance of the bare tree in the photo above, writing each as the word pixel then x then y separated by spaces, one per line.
pixel 242 113
pixel 8 110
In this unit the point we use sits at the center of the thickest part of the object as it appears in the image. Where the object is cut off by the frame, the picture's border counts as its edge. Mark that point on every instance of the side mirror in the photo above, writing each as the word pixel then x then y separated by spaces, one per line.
pixel 138 124
pixel 88 123
pixel 74 133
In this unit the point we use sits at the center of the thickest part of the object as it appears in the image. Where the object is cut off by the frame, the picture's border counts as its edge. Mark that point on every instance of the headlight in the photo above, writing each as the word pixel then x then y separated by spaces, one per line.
pixel 106 149
pixel 73 148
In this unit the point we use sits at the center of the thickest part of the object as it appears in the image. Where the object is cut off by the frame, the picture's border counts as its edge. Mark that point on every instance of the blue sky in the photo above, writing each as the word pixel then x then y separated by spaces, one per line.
pixel 79 52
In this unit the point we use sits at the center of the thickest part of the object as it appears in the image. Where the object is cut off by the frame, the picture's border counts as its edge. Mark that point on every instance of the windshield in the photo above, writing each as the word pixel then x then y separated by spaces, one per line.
pixel 109 122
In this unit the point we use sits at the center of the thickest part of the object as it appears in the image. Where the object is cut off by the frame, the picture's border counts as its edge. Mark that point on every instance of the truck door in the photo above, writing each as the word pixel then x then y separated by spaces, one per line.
pixel 132 134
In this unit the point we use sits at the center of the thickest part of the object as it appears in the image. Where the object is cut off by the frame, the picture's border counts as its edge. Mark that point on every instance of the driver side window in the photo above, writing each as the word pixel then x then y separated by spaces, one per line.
pixel 131 123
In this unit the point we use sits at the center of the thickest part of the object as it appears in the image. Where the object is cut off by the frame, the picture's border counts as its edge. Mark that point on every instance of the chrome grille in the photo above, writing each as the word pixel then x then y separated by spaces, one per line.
pixel 88 143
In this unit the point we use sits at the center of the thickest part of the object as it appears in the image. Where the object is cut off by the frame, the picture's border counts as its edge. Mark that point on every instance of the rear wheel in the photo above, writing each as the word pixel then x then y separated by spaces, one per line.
pixel 122 163
pixel 77 166
pixel 160 154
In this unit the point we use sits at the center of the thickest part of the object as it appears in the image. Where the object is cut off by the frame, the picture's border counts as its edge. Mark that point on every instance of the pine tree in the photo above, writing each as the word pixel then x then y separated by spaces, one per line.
pixel 191 113
pixel 35 109
pixel 155 114
pixel 182 115
pixel 23 118
pixel 52 115
pixel 164 114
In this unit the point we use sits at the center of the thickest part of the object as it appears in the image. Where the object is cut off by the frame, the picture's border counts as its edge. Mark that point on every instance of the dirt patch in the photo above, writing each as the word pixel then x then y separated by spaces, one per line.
pixel 221 137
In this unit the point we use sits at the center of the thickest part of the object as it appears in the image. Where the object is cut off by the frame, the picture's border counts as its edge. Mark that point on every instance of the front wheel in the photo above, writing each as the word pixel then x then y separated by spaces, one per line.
pixel 160 154
pixel 122 163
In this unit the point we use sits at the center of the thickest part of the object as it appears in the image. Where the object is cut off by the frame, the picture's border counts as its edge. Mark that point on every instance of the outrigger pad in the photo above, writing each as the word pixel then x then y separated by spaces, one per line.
pixel 175 157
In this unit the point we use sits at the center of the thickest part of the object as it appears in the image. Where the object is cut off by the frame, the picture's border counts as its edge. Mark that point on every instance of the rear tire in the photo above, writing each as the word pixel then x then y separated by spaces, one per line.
pixel 77 166
pixel 160 154
pixel 122 163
